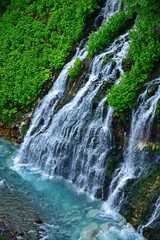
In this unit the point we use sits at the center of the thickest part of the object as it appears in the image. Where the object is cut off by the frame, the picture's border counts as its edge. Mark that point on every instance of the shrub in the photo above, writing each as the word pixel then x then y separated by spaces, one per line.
pixel 106 34
pixel 35 38
pixel 76 69
pixel 144 53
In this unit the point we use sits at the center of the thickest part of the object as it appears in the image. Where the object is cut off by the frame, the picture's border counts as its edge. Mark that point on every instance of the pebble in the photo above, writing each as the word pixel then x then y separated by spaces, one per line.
pixel 90 231
pixel 92 213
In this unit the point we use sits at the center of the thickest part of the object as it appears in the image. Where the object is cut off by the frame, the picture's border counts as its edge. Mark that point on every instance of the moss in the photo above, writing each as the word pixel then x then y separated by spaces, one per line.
pixel 112 165
pixel 107 58
pixel 146 193
pixel 144 54
pixel 115 26
pixel 2 238
pixel 24 129
pixel 75 71
pixel 36 39
pixel 113 64
pixel 153 147
pixel 127 64
pixel 158 109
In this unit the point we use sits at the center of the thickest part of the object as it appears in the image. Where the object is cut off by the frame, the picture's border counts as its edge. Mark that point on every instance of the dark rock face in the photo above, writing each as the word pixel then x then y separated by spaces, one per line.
pixel 141 194
pixel 153 232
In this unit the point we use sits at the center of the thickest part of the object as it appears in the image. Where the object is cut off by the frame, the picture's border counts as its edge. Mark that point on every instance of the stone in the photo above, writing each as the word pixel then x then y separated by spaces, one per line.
pixel 32 234
pixel 121 224
pixel 19 238
pixel 92 213
pixel 39 221
pixel 90 231
pixel 76 219
pixel 105 227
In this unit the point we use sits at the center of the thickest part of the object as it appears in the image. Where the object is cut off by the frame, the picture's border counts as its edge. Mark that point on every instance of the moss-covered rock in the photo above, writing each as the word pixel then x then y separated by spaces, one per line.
pixel 107 58
pixel 141 195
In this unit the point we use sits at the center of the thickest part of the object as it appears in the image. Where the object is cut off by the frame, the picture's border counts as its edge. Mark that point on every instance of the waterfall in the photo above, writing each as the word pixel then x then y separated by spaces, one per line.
pixel 153 218
pixel 111 7
pixel 48 104
pixel 75 141
pixel 139 134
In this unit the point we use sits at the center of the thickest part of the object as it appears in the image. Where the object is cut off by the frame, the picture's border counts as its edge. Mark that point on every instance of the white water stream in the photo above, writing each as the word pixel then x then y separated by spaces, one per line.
pixel 155 215
pixel 139 134
pixel 74 141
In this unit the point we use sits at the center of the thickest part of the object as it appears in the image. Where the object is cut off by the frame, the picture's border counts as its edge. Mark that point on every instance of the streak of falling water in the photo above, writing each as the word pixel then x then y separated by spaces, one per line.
pixel 140 131
pixel 111 8
pixel 154 216
pixel 74 142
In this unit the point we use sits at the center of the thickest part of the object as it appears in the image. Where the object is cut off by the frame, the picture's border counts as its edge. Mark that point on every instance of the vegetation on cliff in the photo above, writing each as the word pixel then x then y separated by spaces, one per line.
pixel 146 191
pixel 144 53
pixel 76 69
pixel 106 34
pixel 35 38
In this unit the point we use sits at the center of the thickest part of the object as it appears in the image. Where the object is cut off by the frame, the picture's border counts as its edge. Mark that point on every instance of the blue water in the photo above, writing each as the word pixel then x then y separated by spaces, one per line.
pixel 66 214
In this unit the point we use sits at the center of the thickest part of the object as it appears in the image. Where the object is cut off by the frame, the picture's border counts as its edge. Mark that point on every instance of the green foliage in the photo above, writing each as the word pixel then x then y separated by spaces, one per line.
pixel 106 34
pixel 107 58
pixel 146 193
pixel 35 37
pixel 2 238
pixel 153 147
pixel 3 5
pixel 112 165
pixel 144 53
pixel 76 69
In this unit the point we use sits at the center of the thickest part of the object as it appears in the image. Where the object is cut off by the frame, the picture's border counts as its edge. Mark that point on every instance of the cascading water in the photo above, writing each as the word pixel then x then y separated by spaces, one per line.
pixel 75 141
pixel 153 218
pixel 48 104
pixel 139 135
pixel 111 7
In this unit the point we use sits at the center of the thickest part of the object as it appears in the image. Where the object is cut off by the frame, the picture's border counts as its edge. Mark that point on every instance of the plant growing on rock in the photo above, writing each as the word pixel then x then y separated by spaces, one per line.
pixel 35 38
pixel 106 34
pixel 144 54
pixel 76 69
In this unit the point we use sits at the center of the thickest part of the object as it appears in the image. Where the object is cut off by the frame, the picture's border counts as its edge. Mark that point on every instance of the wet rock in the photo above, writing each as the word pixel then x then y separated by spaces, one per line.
pixel 19 238
pixel 90 231
pixel 121 223
pixel 39 221
pixel 32 234
pixel 92 213
pixel 105 227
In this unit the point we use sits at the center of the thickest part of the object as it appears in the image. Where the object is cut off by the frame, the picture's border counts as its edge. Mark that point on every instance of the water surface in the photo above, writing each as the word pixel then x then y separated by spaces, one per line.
pixel 62 213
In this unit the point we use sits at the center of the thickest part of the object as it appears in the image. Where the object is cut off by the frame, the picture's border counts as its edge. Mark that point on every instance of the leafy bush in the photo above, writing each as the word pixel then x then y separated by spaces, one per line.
pixel 3 5
pixel 106 34
pixel 35 37
pixel 76 69
pixel 144 53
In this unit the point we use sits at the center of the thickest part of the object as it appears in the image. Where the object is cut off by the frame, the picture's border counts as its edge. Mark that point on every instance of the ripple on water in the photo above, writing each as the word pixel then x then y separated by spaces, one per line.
pixel 34 207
